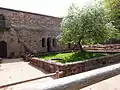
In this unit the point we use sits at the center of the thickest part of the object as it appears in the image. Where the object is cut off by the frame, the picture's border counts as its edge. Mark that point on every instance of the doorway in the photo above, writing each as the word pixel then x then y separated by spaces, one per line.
pixel 49 49
pixel 3 49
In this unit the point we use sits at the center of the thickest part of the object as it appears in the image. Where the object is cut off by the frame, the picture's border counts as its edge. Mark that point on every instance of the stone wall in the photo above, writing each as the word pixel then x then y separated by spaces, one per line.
pixel 75 67
pixel 27 30
pixel 82 80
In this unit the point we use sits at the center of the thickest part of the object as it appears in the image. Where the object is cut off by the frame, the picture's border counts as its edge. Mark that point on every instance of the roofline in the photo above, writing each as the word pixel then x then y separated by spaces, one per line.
pixel 28 12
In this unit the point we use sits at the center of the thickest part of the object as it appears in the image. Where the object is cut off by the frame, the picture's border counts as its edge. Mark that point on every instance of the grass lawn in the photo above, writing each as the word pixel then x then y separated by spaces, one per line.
pixel 72 56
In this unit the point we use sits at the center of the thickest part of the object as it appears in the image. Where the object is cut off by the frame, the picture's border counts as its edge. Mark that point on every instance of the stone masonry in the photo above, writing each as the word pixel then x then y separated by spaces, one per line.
pixel 26 31
pixel 75 67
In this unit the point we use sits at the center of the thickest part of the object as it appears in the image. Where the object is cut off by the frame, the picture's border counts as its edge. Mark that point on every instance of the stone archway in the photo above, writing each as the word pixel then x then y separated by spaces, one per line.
pixel 49 48
pixel 2 20
pixel 3 49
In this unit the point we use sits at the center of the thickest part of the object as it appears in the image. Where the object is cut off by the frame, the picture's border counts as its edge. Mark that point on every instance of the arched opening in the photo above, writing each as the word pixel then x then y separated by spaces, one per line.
pixel 69 46
pixel 2 20
pixel 43 42
pixel 3 49
pixel 49 49
pixel 54 42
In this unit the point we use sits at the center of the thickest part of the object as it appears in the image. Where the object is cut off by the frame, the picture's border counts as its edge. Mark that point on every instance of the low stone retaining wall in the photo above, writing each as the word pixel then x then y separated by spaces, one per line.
pixel 49 66
pixel 82 80
pixel 75 67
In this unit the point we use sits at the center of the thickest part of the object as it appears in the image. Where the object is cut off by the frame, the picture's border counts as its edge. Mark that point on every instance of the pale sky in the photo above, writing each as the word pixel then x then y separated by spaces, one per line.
pixel 57 8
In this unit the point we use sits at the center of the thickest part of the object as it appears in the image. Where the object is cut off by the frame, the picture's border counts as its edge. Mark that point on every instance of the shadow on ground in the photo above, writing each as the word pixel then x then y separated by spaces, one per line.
pixel 13 60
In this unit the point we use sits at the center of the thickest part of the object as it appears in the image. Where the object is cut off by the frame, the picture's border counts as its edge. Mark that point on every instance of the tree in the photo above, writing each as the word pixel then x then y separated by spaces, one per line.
pixel 114 11
pixel 87 25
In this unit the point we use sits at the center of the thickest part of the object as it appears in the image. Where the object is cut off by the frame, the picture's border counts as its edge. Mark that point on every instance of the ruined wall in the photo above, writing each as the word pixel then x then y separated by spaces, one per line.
pixel 27 30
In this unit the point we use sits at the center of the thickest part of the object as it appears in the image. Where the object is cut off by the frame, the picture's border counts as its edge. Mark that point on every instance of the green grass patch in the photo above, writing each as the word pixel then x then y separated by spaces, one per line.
pixel 72 57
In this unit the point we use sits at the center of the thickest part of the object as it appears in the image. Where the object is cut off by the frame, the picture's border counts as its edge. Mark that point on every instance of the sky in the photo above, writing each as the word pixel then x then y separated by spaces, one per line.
pixel 57 8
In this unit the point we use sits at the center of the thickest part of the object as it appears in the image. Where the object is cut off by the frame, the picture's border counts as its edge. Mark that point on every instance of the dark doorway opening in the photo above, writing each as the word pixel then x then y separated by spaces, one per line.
pixel 54 42
pixel 49 49
pixel 43 42
pixel 3 49
pixel 69 46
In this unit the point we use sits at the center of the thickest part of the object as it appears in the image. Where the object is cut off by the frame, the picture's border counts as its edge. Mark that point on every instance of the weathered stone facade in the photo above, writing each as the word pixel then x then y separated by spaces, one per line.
pixel 26 31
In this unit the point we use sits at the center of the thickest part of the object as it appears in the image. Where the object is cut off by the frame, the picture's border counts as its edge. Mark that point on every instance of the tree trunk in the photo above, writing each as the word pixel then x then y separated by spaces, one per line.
pixel 80 47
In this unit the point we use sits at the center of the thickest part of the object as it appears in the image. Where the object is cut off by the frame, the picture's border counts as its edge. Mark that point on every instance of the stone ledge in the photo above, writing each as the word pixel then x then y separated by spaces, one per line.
pixel 79 81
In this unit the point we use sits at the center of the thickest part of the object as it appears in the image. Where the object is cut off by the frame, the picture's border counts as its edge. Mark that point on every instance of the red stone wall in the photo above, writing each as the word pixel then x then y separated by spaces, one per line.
pixel 27 18
pixel 27 30
pixel 75 67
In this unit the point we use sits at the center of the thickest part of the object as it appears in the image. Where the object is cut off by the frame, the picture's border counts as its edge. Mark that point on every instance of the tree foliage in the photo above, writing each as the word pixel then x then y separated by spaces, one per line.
pixel 114 11
pixel 88 25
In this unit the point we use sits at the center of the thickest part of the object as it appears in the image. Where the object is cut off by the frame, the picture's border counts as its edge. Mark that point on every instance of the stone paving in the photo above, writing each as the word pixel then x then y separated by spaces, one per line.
pixel 108 84
pixel 14 70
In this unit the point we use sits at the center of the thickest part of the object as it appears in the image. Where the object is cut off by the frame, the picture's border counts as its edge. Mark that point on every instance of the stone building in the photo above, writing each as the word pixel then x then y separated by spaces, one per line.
pixel 22 32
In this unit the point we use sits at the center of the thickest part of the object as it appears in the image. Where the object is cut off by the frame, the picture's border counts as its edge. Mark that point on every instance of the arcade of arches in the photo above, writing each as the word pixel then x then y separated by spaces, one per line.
pixel 49 43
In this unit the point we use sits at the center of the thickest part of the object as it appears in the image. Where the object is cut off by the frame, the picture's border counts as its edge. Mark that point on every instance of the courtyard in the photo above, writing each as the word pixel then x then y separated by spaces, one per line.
pixel 15 70
pixel 81 43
